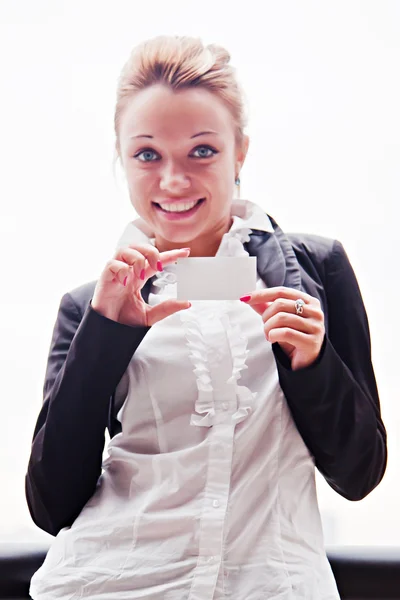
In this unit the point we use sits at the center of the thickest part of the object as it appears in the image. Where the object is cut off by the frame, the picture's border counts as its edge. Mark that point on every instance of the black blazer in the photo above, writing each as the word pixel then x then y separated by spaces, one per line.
pixel 334 402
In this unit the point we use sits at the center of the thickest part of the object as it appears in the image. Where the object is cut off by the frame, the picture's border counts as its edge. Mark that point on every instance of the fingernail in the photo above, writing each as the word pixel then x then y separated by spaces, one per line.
pixel 142 274
pixel 245 298
pixel 125 280
pixel 186 249
pixel 159 266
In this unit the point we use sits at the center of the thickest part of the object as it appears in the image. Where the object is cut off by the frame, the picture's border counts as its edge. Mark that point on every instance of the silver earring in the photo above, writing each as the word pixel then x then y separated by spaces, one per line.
pixel 237 181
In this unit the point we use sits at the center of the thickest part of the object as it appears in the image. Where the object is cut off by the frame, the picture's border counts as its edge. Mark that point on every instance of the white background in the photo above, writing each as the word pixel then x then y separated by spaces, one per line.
pixel 322 82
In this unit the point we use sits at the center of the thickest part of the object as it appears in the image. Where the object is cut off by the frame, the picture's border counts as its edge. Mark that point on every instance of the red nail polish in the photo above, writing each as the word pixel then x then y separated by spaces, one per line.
pixel 159 266
pixel 245 298
pixel 125 280
pixel 142 273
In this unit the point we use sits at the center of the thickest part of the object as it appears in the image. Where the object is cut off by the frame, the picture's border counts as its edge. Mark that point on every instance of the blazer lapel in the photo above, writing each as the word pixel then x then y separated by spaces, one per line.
pixel 276 261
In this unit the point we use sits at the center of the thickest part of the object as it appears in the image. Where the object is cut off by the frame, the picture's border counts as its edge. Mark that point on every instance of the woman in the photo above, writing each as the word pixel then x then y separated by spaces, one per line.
pixel 218 412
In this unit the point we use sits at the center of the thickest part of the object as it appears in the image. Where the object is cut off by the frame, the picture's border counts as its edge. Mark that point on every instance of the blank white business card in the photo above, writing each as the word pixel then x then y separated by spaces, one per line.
pixel 216 278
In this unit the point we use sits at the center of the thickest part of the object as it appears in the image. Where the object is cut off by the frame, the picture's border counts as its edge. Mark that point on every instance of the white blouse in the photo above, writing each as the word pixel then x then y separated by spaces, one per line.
pixel 209 491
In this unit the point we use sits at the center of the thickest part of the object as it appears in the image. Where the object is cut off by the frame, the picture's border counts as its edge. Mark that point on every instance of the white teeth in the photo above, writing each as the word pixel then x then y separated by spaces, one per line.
pixel 181 207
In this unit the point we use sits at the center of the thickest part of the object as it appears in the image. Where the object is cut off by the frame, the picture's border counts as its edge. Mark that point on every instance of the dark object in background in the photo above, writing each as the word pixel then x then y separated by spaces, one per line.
pixel 366 573
pixel 361 573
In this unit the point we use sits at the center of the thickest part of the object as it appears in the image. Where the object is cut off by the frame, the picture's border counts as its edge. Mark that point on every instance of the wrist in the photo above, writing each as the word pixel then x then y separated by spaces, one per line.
pixel 112 315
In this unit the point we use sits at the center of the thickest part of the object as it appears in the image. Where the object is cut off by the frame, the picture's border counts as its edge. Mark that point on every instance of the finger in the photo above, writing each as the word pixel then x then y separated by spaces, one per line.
pixel 166 258
pixel 282 305
pixel 284 319
pixel 147 250
pixel 287 335
pixel 170 256
pixel 272 294
pixel 152 255
pixel 260 308
pixel 165 309
pixel 133 258
pixel 115 270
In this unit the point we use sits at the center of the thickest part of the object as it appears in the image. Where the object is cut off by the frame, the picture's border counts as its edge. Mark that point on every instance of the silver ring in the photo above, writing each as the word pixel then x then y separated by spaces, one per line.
pixel 299 306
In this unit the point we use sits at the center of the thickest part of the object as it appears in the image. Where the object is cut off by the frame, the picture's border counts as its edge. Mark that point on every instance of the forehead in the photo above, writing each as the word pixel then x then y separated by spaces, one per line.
pixel 162 112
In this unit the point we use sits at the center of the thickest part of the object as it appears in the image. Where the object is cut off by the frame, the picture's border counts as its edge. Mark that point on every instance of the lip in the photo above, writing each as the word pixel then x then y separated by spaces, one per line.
pixel 179 216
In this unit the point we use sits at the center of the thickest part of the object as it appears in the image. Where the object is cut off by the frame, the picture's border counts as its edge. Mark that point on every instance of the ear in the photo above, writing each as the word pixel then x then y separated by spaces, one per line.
pixel 241 153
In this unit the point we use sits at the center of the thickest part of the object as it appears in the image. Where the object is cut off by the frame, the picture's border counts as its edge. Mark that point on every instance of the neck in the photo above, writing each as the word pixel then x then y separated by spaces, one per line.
pixel 205 245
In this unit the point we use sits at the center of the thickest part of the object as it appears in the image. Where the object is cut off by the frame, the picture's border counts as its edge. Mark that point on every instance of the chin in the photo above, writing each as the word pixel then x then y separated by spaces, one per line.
pixel 184 236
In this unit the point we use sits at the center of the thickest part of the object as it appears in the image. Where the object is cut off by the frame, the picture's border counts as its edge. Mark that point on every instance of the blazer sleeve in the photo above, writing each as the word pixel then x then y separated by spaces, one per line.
pixel 88 356
pixel 335 402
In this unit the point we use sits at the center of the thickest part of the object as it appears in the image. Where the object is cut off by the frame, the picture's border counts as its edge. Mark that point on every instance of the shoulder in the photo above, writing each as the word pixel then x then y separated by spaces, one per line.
pixel 317 247
pixel 321 257
pixel 324 253
pixel 328 258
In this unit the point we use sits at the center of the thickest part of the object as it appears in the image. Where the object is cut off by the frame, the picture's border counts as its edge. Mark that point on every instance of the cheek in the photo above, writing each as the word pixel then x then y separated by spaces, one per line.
pixel 138 177
pixel 224 179
pixel 137 189
pixel 140 184
pixel 223 173
pixel 219 180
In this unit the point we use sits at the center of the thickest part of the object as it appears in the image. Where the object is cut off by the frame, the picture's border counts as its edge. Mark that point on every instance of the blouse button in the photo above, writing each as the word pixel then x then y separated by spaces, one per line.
pixel 225 405
pixel 215 503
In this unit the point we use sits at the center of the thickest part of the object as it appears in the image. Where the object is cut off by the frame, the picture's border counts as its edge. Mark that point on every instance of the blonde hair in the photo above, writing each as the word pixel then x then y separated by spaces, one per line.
pixel 181 62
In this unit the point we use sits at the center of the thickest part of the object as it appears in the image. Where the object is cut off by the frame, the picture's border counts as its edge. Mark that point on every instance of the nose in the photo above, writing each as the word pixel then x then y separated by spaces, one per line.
pixel 174 180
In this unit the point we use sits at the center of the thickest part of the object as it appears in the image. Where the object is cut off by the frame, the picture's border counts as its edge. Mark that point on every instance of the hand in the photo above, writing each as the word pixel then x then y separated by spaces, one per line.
pixel 299 336
pixel 117 295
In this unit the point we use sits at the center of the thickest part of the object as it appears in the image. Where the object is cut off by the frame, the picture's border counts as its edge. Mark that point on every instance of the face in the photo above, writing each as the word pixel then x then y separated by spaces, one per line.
pixel 180 158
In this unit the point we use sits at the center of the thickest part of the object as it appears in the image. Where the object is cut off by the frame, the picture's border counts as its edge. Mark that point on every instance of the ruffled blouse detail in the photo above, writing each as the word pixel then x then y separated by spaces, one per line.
pixel 239 352
pixel 194 320
pixel 232 242
pixel 204 408
pixel 166 277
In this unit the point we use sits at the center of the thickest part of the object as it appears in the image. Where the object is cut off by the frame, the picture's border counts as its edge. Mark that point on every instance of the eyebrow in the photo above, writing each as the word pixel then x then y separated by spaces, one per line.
pixel 203 133
pixel 143 135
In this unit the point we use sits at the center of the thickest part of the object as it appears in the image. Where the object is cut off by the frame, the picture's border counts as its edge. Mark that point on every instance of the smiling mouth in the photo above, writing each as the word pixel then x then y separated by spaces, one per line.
pixel 179 207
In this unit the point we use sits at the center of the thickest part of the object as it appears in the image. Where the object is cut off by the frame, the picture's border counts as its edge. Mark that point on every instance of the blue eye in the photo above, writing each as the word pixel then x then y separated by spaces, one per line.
pixel 147 155
pixel 205 151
